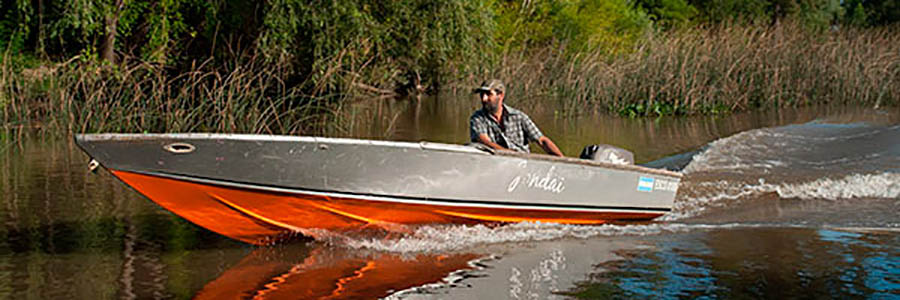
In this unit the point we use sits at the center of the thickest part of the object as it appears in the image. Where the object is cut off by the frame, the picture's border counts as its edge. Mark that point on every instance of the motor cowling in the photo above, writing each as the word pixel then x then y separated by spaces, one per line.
pixel 608 153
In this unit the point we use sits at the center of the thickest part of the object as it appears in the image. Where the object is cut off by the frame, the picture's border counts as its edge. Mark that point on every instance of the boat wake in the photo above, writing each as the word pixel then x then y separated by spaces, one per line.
pixel 705 195
pixel 813 161
pixel 444 238
pixel 807 149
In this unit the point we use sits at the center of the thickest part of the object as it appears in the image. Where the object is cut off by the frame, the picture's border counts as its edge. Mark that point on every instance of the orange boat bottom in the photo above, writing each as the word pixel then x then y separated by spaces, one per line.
pixel 263 217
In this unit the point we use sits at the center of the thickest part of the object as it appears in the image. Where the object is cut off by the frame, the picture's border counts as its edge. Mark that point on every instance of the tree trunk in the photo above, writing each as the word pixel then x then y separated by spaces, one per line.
pixel 107 49
pixel 40 30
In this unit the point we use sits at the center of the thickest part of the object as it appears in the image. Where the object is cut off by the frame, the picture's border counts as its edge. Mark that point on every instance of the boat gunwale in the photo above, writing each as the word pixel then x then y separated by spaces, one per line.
pixel 423 145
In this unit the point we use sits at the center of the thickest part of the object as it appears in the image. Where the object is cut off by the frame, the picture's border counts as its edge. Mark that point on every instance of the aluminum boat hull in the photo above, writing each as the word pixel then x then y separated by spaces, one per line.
pixel 260 189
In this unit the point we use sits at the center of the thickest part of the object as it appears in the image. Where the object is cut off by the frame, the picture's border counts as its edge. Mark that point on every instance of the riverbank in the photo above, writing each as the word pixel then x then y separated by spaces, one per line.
pixel 710 71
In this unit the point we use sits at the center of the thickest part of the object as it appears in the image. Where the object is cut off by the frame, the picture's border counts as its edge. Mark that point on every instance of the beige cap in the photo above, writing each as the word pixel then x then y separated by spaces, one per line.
pixel 491 85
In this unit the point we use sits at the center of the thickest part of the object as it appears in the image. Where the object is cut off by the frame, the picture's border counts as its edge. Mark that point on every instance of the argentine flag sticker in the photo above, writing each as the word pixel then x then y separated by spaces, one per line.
pixel 645 184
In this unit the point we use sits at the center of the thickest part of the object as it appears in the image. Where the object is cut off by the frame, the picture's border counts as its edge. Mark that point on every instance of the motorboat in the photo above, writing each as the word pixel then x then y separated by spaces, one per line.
pixel 261 189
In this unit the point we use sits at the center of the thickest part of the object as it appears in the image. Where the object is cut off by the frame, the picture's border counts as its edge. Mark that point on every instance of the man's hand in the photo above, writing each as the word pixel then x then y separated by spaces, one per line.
pixel 484 139
pixel 549 146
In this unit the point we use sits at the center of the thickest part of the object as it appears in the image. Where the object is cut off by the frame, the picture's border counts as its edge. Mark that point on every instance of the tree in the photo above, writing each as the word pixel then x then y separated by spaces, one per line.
pixel 668 13
pixel 882 12
pixel 111 18
pixel 14 19
pixel 334 42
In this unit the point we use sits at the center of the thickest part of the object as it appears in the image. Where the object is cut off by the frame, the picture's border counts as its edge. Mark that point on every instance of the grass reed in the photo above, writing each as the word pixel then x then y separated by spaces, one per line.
pixel 690 71
pixel 83 96
pixel 717 70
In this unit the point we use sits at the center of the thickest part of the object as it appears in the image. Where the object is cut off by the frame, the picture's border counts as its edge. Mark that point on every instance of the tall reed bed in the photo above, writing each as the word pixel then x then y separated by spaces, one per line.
pixel 689 71
pixel 721 69
pixel 81 96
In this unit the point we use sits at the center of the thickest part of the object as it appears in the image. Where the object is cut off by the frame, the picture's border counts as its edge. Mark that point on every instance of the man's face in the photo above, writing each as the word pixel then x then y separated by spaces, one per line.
pixel 490 101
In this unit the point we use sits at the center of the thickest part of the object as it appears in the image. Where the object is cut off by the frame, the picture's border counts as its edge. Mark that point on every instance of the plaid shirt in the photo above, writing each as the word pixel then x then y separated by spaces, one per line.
pixel 514 131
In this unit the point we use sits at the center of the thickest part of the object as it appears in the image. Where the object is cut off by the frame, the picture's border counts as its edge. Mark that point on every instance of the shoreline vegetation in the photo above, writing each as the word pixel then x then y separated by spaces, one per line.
pixel 290 67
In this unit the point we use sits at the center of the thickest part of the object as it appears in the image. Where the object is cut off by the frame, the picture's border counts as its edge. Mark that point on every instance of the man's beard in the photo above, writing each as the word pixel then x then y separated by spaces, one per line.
pixel 489 107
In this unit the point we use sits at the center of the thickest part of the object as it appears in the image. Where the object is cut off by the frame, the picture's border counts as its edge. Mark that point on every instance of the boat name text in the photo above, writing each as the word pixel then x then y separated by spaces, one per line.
pixel 548 181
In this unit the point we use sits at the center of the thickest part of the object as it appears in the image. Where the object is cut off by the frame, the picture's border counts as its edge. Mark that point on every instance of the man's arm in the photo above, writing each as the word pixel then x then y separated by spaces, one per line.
pixel 549 146
pixel 484 139
pixel 533 133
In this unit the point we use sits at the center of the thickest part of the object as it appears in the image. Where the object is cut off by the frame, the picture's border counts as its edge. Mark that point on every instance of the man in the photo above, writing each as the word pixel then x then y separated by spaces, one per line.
pixel 501 127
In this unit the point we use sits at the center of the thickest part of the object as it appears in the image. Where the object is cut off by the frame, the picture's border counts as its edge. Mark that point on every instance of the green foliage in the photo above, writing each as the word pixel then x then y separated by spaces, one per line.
pixel 882 12
pixel 78 27
pixel 856 13
pixel 811 13
pixel 12 34
pixel 85 20
pixel 611 26
pixel 521 27
pixel 668 13
pixel 166 24
pixel 739 11
pixel 415 38
pixel 820 13
pixel 327 41
pixel 654 108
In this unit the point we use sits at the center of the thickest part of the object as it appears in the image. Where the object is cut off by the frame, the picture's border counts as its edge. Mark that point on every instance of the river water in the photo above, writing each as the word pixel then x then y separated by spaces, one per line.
pixel 793 203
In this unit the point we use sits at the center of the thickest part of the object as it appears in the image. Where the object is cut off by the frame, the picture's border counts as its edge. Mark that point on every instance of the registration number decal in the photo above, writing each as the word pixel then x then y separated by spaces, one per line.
pixel 649 184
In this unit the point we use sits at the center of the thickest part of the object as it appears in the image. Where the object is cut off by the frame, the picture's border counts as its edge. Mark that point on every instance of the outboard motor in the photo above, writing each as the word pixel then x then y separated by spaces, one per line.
pixel 607 153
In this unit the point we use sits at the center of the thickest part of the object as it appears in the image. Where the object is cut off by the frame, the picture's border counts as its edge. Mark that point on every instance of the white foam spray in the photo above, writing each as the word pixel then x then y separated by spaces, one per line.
pixel 721 193
pixel 738 152
pixel 884 185
pixel 442 238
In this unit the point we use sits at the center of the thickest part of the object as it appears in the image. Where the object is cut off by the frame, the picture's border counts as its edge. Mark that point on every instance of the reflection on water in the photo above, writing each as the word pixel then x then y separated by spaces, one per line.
pixel 319 272
pixel 808 210
pixel 760 263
